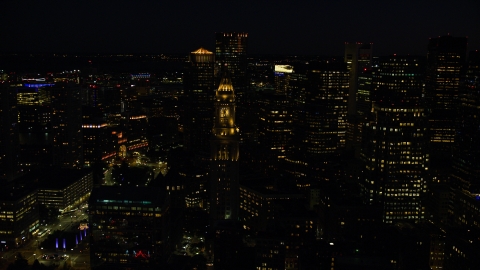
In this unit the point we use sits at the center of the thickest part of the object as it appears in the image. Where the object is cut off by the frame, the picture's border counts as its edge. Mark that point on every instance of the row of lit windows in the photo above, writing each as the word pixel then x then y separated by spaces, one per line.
pixel 127 208
pixel 98 212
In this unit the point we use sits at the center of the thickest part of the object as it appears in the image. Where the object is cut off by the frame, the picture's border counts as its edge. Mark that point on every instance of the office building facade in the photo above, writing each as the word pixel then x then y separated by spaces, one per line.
pixel 9 144
pixel 358 58
pixel 67 126
pixel 231 54
pixel 319 122
pixel 394 149
pixel 199 89
pixel 445 67
pixel 64 189
pixel 19 216
pixel 128 228
pixel 465 160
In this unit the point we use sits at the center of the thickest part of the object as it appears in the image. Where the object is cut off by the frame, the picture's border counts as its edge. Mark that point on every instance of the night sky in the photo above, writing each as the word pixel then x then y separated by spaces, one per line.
pixel 275 27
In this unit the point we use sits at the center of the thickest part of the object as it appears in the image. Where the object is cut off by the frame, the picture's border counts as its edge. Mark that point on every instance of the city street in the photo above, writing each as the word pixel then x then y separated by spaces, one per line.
pixel 158 167
pixel 78 257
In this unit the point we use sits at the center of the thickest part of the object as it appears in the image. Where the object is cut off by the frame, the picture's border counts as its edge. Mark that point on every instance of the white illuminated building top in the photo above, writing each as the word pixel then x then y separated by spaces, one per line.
pixel 284 68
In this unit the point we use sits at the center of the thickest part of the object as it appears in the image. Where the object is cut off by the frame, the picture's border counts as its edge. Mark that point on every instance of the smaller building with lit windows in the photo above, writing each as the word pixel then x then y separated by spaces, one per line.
pixel 64 189
pixel 135 127
pixel 19 216
pixel 259 203
pixel 99 143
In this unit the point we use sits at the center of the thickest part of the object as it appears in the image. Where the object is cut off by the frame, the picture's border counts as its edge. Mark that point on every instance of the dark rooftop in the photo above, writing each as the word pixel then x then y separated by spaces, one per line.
pixel 128 195
pixel 55 178
pixel 60 178
pixel 12 194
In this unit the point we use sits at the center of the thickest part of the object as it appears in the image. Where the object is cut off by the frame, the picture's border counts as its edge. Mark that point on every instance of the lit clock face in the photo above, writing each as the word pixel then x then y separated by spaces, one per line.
pixel 224 112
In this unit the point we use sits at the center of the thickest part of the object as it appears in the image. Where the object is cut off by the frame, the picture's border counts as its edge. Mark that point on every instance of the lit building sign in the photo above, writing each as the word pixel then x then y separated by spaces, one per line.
pixel 94 126
pixel 140 76
pixel 34 80
pixel 37 85
pixel 83 226
pixel 283 69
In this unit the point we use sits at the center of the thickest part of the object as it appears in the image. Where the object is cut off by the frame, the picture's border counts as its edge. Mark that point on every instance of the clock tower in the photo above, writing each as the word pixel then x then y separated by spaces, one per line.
pixel 224 199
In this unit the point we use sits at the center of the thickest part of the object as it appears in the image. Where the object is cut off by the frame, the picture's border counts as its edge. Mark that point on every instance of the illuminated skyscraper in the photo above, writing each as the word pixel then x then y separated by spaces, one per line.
pixel 445 60
pixel 231 56
pixel 326 109
pixel 272 113
pixel 358 57
pixel 320 121
pixel 364 93
pixel 274 127
pixel 199 88
pixel 394 150
pixel 282 78
pixel 231 53
pixel 224 186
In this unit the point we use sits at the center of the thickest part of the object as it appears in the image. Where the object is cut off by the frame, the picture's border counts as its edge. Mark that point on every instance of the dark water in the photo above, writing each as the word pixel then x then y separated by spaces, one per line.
pixel 41 63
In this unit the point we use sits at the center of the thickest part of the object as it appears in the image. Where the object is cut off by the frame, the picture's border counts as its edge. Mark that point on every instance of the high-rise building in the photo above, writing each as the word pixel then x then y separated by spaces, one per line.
pixel 274 127
pixel 394 149
pixel 231 56
pixel 364 92
pixel 34 123
pixel 467 141
pixel 9 131
pixel 319 122
pixel 326 109
pixel 67 126
pixel 231 53
pixel 224 194
pixel 296 88
pixel 358 57
pixel 282 77
pixel 199 89
pixel 466 154
pixel 98 141
pixel 445 61
pixel 35 137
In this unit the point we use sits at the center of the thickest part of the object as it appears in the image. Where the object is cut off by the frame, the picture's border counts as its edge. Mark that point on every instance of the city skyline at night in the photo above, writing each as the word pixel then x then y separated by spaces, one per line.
pixel 250 135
